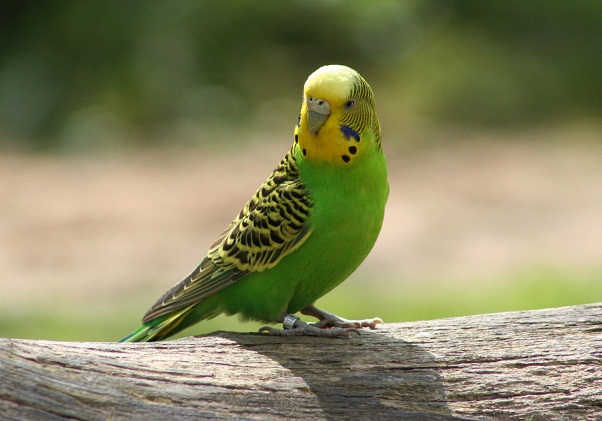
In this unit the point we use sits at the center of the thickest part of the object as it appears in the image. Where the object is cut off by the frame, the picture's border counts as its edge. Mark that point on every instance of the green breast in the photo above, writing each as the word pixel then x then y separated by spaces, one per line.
pixel 346 218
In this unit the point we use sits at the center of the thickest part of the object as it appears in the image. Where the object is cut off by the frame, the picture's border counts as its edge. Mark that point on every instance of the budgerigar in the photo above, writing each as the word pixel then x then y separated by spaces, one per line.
pixel 305 230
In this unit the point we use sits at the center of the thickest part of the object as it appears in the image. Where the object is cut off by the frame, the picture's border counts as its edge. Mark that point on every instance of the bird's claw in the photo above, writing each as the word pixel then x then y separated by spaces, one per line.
pixel 358 324
pixel 327 319
pixel 328 324
pixel 311 330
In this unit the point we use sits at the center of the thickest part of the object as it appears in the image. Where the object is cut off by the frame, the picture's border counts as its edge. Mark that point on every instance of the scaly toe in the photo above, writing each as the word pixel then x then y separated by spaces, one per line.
pixel 370 323
pixel 344 323
pixel 309 330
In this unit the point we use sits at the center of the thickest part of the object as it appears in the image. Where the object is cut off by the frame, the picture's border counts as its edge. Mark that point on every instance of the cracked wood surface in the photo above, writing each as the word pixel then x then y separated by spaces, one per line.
pixel 542 365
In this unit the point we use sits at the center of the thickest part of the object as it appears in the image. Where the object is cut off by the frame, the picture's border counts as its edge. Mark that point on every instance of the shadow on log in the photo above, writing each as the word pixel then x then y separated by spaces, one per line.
pixel 544 365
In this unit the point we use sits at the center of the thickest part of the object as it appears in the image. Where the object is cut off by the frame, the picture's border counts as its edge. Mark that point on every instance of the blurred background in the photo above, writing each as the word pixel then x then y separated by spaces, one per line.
pixel 132 132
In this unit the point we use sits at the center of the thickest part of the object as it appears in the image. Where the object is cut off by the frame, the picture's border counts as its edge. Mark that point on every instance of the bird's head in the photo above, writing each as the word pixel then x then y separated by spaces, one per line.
pixel 338 123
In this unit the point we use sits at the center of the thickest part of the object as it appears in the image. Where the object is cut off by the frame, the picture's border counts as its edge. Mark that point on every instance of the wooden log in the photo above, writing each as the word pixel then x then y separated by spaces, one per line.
pixel 540 365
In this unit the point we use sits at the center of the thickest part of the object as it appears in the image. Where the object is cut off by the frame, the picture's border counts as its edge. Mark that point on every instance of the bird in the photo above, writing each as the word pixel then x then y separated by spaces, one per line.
pixel 305 230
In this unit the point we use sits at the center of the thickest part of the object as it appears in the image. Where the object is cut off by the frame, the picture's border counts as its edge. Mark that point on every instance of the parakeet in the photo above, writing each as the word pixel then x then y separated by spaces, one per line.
pixel 304 231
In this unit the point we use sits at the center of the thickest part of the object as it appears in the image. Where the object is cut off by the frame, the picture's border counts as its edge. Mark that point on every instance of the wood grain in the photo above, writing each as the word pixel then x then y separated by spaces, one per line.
pixel 539 365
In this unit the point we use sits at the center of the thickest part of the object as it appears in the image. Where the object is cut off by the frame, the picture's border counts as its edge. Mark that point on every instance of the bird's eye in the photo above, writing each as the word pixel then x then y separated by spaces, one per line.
pixel 349 104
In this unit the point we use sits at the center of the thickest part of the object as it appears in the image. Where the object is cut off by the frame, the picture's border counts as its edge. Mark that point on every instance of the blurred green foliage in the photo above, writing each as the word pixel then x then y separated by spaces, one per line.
pixel 79 74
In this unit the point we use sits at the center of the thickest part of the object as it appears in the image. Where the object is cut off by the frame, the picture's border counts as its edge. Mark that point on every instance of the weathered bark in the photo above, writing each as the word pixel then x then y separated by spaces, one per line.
pixel 543 365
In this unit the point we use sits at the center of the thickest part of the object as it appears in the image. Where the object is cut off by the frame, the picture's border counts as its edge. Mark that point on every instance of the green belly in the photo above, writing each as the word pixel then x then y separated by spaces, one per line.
pixel 346 220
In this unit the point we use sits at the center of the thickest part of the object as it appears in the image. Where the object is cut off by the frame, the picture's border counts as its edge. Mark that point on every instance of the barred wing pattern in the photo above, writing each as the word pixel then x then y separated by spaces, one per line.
pixel 271 225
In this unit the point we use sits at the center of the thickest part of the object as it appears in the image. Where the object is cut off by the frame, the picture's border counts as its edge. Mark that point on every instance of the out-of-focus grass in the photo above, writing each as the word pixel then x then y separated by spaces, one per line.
pixel 527 289
pixel 395 301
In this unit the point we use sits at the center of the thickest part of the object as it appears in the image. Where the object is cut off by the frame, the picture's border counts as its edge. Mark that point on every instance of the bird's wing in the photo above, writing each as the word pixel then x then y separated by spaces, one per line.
pixel 273 224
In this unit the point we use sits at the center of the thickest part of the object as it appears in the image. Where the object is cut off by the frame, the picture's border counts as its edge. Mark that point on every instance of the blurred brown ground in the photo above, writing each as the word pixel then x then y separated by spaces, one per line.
pixel 87 230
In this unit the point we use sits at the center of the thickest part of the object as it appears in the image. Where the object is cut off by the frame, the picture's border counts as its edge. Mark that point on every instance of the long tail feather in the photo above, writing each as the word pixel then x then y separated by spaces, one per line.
pixel 158 328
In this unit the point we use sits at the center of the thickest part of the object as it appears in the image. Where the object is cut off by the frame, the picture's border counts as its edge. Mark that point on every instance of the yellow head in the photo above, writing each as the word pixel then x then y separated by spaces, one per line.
pixel 338 122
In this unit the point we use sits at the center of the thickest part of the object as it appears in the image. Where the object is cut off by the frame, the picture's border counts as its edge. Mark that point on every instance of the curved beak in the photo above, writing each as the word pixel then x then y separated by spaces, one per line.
pixel 318 113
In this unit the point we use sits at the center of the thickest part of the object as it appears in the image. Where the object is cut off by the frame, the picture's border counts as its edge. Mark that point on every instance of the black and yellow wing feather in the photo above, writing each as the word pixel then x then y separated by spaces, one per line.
pixel 272 224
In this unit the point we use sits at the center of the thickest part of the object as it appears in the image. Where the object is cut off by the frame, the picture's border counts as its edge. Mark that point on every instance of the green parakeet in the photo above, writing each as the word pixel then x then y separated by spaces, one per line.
pixel 306 229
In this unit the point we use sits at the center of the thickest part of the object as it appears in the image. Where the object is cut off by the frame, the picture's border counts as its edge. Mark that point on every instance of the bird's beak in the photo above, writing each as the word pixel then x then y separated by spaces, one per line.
pixel 318 113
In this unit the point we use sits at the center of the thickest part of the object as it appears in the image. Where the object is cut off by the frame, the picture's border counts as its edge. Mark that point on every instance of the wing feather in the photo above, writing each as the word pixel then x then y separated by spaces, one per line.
pixel 272 225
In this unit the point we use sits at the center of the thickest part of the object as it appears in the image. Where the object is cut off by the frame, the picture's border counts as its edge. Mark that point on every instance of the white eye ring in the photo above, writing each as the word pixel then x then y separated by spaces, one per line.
pixel 350 104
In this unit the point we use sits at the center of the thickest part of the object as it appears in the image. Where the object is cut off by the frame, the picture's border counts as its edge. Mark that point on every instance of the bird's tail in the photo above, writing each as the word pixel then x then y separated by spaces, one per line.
pixel 159 328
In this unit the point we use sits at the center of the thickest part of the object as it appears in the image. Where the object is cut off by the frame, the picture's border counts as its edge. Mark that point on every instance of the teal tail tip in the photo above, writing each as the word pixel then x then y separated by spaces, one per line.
pixel 139 335
pixel 126 338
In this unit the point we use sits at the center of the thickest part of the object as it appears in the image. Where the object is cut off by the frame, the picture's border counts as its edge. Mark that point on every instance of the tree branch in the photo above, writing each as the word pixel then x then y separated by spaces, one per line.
pixel 544 364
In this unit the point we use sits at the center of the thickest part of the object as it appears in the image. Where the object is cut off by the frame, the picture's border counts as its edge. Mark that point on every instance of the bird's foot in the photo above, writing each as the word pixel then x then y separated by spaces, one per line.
pixel 293 326
pixel 329 325
pixel 327 319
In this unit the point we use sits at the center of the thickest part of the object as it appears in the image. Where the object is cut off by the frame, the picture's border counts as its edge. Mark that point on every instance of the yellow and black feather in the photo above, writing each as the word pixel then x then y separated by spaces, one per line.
pixel 272 224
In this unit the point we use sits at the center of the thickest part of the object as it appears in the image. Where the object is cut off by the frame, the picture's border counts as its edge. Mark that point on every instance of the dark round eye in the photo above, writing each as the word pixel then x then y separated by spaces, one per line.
pixel 350 103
